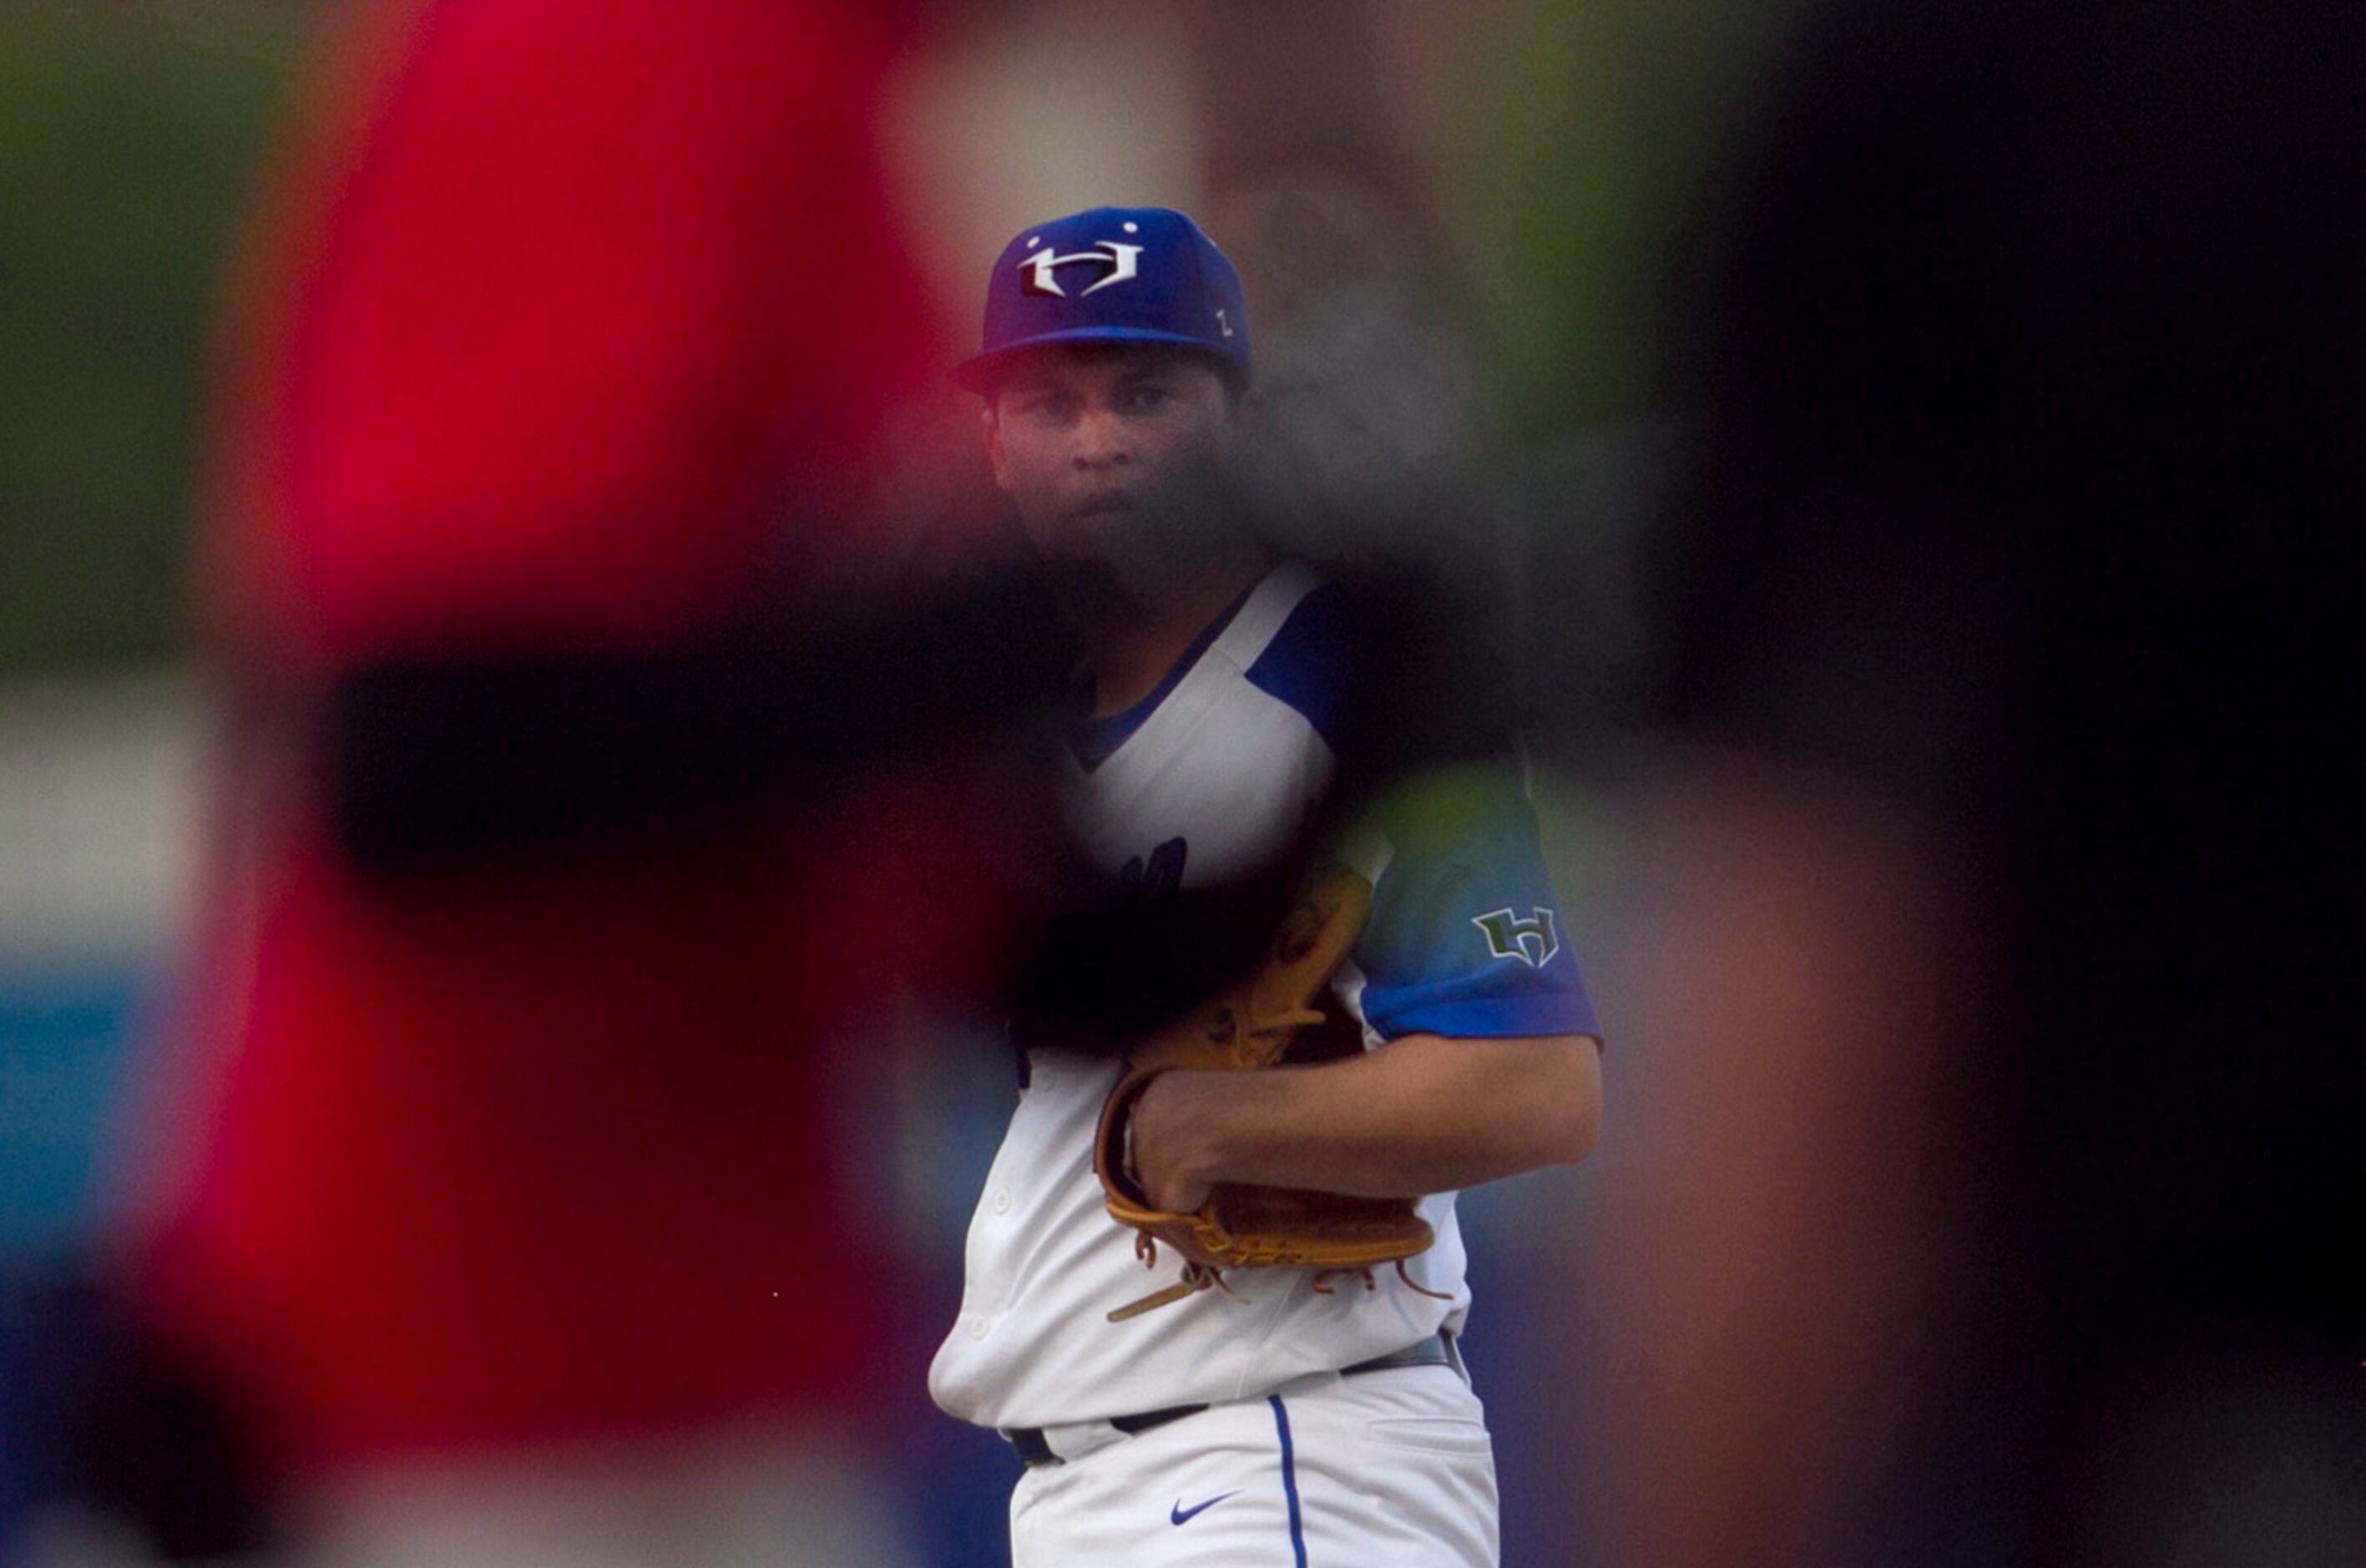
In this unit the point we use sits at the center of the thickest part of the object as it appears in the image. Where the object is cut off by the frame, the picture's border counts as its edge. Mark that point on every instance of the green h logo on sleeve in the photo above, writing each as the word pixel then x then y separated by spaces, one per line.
pixel 1533 941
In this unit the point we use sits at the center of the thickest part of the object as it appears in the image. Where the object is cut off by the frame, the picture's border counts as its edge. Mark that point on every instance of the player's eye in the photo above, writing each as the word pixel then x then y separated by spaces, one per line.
pixel 1149 398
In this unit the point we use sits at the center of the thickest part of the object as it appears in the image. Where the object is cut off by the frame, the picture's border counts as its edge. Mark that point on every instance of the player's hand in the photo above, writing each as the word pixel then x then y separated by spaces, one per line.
pixel 1166 1146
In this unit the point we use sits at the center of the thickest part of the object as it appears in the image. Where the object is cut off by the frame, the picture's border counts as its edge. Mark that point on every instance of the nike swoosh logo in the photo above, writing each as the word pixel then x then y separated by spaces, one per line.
pixel 1182 1515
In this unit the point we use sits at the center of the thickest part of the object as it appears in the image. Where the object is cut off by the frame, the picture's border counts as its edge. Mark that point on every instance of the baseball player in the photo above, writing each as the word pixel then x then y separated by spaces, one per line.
pixel 1284 1418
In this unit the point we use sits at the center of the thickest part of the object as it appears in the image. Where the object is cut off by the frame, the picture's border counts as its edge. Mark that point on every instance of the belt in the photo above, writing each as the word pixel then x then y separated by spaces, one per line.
pixel 1438 1350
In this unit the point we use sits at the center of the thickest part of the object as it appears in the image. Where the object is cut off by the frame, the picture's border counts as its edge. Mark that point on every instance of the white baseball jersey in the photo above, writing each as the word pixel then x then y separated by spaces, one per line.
pixel 1208 779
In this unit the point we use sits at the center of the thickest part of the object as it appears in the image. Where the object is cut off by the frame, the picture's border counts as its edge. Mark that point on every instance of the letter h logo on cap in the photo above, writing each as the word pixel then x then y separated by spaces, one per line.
pixel 1038 274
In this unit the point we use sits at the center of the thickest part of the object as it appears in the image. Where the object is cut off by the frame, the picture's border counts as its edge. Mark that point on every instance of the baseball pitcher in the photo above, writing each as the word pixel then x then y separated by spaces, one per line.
pixel 1215 1292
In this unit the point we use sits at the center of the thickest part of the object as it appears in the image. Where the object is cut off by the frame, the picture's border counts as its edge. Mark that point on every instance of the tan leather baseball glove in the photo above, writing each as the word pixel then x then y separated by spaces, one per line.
pixel 1249 1027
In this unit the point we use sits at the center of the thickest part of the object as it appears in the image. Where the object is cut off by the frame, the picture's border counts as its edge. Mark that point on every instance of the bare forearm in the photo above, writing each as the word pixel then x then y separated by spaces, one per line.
pixel 1422 1114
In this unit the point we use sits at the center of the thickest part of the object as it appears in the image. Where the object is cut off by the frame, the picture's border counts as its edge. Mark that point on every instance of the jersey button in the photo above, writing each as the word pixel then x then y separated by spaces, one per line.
pixel 977 1328
pixel 1002 1202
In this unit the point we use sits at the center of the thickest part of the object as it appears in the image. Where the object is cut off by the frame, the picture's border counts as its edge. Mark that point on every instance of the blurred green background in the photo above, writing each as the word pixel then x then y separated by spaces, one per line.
pixel 1570 155
pixel 129 137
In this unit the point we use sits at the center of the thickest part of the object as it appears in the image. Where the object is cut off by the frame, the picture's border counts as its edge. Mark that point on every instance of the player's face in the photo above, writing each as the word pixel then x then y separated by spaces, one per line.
pixel 1116 457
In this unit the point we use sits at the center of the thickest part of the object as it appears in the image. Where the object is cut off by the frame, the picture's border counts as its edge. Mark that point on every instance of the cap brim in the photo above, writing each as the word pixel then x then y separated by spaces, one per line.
pixel 978 372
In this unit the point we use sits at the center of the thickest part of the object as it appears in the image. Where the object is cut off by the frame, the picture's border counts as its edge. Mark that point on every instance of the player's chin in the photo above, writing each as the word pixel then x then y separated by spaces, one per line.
pixel 1110 536
pixel 1093 524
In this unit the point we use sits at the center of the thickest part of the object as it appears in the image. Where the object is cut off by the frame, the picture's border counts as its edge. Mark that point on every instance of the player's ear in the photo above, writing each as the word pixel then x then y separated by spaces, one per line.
pixel 992 426
pixel 1245 413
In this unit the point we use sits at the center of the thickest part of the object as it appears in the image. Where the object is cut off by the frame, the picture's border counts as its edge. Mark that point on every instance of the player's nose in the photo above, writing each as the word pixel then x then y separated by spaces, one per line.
pixel 1103 440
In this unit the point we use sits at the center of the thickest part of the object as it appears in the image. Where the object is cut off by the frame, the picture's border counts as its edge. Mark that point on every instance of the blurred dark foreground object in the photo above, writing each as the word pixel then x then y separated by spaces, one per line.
pixel 114 1435
pixel 438 760
pixel 2010 868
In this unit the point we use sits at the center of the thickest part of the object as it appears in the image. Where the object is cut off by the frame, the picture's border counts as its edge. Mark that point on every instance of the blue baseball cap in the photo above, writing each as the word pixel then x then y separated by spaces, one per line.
pixel 1111 274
